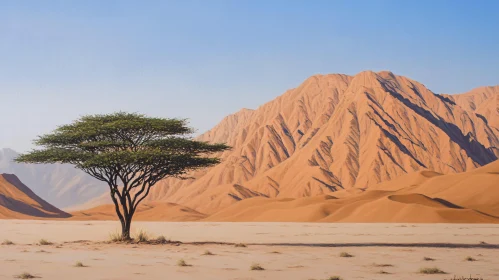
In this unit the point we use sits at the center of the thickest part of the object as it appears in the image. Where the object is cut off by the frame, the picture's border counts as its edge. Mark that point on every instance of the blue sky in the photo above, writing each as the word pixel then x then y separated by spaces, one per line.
pixel 203 60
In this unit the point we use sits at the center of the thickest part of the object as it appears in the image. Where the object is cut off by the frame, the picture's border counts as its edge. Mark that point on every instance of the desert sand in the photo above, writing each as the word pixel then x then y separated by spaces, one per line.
pixel 306 251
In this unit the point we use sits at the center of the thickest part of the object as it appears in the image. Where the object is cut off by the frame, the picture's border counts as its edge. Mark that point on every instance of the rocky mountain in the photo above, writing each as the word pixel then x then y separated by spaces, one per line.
pixel 19 202
pixel 60 185
pixel 336 132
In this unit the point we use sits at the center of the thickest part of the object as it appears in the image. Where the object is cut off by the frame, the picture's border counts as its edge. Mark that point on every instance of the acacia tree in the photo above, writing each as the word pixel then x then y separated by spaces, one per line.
pixel 128 151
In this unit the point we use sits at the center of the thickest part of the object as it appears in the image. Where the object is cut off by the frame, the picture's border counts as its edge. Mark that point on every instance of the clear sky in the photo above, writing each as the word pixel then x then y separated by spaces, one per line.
pixel 203 60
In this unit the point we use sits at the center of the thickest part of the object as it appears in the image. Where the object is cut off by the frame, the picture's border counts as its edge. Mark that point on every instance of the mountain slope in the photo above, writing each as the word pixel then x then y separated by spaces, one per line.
pixel 60 185
pixel 337 132
pixel 18 201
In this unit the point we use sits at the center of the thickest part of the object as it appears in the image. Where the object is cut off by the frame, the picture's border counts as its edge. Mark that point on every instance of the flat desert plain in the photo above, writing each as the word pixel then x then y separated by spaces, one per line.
pixel 284 250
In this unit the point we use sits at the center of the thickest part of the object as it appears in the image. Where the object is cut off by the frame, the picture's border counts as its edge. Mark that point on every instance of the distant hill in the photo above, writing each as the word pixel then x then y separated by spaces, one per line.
pixel 17 201
pixel 60 185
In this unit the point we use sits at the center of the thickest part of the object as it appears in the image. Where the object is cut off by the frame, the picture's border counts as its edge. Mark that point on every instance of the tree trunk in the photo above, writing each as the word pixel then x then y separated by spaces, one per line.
pixel 125 227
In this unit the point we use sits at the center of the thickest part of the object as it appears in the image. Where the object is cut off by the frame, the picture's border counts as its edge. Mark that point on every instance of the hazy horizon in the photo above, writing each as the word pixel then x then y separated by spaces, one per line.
pixel 204 60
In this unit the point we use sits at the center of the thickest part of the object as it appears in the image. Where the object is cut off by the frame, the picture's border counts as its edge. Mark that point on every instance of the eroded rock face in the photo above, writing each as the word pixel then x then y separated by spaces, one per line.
pixel 336 132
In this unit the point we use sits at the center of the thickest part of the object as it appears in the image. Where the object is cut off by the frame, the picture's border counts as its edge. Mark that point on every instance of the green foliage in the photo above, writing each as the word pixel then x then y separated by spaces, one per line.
pixel 131 152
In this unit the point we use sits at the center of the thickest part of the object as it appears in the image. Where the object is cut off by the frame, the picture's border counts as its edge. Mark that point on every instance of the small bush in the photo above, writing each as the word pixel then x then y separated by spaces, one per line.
pixel 142 236
pixel 182 262
pixel 383 272
pixel 256 266
pixel 334 278
pixel 207 253
pixel 7 242
pixel 25 275
pixel 431 270
pixel 44 242
pixel 345 255
pixel 240 245
pixel 275 252
pixel 428 259
pixel 470 259
pixel 79 264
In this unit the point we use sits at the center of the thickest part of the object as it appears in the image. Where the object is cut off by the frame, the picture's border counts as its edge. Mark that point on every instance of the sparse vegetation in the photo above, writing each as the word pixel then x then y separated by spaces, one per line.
pixel 431 270
pixel 115 237
pixel 465 278
pixel 345 255
pixel 428 259
pixel 256 266
pixel 470 259
pixel 275 252
pixel 383 272
pixel 25 275
pixel 44 242
pixel 142 236
pixel 334 278
pixel 182 262
pixel 7 242
pixel 240 245
pixel 382 265
pixel 79 264
pixel 162 239
pixel 208 253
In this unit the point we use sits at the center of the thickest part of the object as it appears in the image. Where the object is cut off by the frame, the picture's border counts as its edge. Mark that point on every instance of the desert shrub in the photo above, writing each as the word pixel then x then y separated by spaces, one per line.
pixel 431 270
pixel 256 266
pixel 345 255
pixel 7 242
pixel 44 242
pixel 142 236
pixel 182 262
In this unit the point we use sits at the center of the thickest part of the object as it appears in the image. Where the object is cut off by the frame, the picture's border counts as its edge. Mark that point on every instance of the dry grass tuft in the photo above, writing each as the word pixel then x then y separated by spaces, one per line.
pixel 208 253
pixel 240 245
pixel 466 278
pixel 382 265
pixel 345 255
pixel 80 264
pixel 334 278
pixel 25 275
pixel 44 242
pixel 428 259
pixel 7 242
pixel 256 266
pixel 431 270
pixel 470 259
pixel 182 262
pixel 142 236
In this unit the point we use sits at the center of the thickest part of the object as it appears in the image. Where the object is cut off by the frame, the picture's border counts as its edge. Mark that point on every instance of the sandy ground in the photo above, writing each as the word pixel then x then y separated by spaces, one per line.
pixel 299 256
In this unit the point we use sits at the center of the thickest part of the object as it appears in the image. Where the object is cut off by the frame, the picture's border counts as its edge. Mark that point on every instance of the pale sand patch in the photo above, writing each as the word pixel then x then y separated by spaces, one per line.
pixel 110 261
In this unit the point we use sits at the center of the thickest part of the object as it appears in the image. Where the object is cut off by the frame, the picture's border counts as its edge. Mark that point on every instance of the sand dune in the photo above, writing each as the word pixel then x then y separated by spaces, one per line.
pixel 422 197
pixel 151 211
pixel 17 201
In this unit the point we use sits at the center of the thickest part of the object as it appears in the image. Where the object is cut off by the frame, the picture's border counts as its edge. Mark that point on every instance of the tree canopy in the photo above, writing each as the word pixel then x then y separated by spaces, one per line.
pixel 129 151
